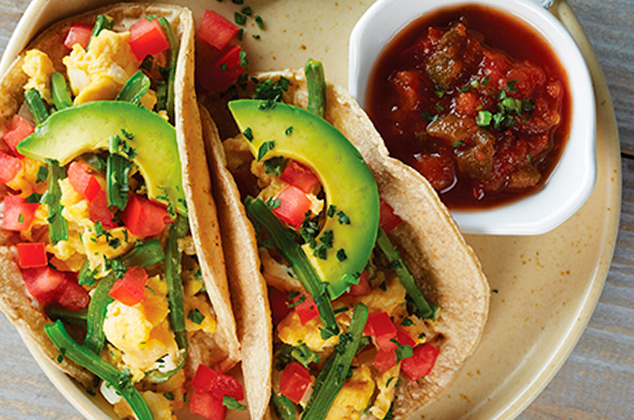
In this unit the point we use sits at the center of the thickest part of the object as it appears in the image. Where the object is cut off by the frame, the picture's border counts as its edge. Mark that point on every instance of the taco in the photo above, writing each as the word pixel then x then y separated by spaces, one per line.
pixel 409 302
pixel 110 252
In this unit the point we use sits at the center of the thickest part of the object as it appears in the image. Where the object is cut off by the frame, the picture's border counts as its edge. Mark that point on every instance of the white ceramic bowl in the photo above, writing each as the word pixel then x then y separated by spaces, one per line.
pixel 573 178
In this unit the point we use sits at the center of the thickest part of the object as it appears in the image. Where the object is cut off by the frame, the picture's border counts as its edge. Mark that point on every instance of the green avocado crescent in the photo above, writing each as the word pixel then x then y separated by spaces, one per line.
pixel 88 127
pixel 346 179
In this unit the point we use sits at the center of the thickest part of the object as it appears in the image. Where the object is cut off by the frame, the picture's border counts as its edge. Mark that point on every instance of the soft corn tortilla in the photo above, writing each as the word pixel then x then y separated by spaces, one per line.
pixel 222 350
pixel 431 245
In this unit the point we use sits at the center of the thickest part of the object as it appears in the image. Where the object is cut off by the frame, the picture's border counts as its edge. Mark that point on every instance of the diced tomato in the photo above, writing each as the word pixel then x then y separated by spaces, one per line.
pixel 421 363
pixel 363 287
pixel 385 360
pixel 305 307
pixel 207 405
pixel 381 327
pixel 20 128
pixel 404 338
pixel 216 30
pixel 72 295
pixel 43 283
pixel 78 34
pixel 17 214
pixel 32 254
pixel 83 181
pixel 279 308
pixel 387 219
pixel 294 382
pixel 300 176
pixel 98 211
pixel 130 289
pixel 144 217
pixel 10 166
pixel 438 168
pixel 294 204
pixel 209 381
pixel 223 72
pixel 147 38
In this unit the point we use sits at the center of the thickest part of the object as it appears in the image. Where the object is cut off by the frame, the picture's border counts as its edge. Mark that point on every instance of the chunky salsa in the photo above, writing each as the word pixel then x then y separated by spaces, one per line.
pixel 476 101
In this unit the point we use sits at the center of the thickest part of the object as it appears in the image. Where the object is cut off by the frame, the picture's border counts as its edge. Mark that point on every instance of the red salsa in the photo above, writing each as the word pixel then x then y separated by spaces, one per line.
pixel 476 101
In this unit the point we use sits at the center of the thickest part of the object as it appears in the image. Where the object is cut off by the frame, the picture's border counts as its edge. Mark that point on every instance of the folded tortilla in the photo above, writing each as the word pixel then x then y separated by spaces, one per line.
pixel 448 271
pixel 221 350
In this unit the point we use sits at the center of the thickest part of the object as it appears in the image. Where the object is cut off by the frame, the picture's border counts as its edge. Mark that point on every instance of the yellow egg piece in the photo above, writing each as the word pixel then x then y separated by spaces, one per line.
pixel 38 66
pixel 354 396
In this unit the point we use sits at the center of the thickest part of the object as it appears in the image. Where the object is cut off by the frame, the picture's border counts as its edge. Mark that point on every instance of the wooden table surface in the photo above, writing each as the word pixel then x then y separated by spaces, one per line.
pixel 596 382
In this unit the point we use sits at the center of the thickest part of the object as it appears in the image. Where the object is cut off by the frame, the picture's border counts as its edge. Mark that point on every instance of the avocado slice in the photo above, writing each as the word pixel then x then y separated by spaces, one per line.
pixel 87 128
pixel 346 179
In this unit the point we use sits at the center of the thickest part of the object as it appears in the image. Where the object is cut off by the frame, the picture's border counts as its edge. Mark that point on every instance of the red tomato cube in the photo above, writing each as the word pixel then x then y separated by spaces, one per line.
pixel 294 382
pixel 130 289
pixel 43 283
pixel 279 308
pixel 78 34
pixel 300 176
pixel 143 217
pixel 381 327
pixel 387 219
pixel 421 363
pixel 80 177
pixel 18 214
pixel 20 128
pixel 222 73
pixel 10 166
pixel 207 405
pixel 32 255
pixel 216 30
pixel 98 211
pixel 385 360
pixel 147 38
pixel 209 381
pixel 294 204
pixel 72 295
pixel 404 338
pixel 363 287
pixel 438 168
pixel 305 307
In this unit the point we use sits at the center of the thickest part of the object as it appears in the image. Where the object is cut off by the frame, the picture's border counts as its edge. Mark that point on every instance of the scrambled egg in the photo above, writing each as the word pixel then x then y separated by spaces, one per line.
pixel 25 180
pixel 193 301
pixel 291 331
pixel 83 241
pixel 39 67
pixel 142 331
pixel 354 395
pixel 386 384
pixel 101 72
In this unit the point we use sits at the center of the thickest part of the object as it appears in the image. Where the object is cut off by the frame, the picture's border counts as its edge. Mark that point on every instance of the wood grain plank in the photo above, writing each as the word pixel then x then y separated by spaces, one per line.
pixel 608 25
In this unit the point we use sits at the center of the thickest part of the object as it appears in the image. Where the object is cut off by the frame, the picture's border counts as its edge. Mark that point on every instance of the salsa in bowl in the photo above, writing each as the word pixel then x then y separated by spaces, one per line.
pixel 491 101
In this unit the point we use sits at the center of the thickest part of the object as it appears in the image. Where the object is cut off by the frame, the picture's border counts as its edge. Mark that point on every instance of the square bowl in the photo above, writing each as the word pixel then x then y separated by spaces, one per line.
pixel 571 181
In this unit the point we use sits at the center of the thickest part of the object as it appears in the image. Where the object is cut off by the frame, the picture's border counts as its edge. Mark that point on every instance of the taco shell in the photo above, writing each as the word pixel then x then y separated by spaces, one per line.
pixel 447 269
pixel 222 350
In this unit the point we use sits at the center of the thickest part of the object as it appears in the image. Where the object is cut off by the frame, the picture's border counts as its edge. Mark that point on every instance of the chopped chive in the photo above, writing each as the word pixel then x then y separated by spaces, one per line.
pixel 259 21
pixel 483 119
pixel 248 134
pixel 240 19
pixel 266 147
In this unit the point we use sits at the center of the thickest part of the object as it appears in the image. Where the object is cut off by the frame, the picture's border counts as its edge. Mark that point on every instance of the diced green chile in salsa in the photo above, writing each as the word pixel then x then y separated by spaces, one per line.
pixel 474 100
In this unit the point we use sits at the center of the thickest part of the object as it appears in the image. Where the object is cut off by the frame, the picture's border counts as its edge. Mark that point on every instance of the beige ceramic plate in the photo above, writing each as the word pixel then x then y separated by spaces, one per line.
pixel 547 286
